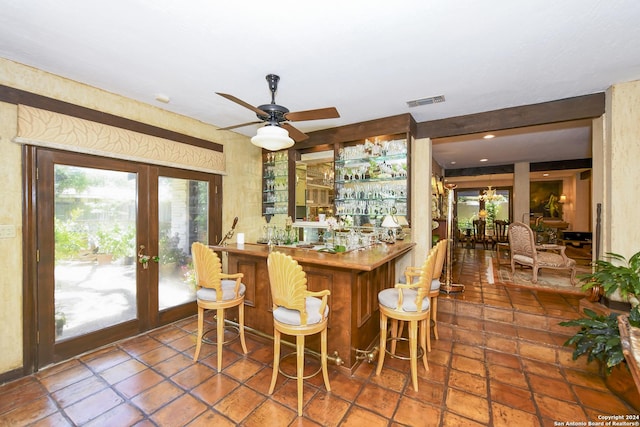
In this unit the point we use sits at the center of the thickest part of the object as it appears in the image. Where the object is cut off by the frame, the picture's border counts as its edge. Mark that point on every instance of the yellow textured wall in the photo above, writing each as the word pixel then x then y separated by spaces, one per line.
pixel 243 190
pixel 621 166
pixel 241 185
pixel 10 248
pixel 420 200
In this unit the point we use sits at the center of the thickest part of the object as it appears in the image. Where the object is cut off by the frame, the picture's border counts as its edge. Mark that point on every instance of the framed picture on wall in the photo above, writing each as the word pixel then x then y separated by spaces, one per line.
pixel 544 197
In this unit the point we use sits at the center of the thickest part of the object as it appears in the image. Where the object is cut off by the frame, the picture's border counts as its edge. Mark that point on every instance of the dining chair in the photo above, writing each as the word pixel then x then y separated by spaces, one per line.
pixel 480 233
pixel 216 291
pixel 408 302
pixel 501 239
pixel 296 312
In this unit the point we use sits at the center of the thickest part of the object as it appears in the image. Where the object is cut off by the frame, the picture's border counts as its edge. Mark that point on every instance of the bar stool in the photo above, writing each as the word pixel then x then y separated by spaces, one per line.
pixel 441 248
pixel 408 302
pixel 434 292
pixel 297 312
pixel 216 291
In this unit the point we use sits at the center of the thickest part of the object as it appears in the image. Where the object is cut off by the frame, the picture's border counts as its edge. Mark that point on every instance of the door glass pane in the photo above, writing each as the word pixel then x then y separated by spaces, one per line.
pixel 468 205
pixel 498 206
pixel 477 203
pixel 95 241
pixel 183 214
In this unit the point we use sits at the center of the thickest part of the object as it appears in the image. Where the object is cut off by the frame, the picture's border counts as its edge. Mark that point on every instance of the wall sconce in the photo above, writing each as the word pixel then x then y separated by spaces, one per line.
pixel 563 198
pixel 437 186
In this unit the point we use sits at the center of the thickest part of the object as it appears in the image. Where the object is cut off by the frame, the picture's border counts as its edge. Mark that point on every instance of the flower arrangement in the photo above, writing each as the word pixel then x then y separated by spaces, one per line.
pixel 539 226
pixel 332 223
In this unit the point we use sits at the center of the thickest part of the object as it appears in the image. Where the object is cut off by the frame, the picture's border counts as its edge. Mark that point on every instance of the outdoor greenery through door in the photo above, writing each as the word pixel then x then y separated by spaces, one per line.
pixel 118 260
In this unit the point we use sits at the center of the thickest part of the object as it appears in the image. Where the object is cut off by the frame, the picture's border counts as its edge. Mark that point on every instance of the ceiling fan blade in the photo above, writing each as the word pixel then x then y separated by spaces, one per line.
pixel 294 133
pixel 240 125
pixel 244 104
pixel 320 113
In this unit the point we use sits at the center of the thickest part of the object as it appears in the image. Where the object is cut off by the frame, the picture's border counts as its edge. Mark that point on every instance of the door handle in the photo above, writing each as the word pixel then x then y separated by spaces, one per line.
pixel 144 258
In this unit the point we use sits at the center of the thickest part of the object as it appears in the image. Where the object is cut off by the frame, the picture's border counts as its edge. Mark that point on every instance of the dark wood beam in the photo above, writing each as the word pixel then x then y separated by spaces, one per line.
pixel 561 165
pixel 486 170
pixel 563 110
pixel 402 123
pixel 533 167
pixel 18 96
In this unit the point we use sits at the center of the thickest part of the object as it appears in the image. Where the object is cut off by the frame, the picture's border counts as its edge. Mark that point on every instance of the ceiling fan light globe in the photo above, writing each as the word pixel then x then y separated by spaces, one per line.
pixel 272 138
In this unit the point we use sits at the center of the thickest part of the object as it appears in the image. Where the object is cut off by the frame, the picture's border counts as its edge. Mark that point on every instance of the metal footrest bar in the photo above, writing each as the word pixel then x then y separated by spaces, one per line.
pixel 235 330
pixel 451 288
pixel 397 356
pixel 294 376
pixel 335 358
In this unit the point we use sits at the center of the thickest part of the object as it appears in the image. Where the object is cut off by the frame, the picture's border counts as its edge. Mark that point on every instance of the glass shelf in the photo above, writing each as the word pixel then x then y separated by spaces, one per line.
pixel 275 183
pixel 378 159
pixel 384 179
pixel 365 199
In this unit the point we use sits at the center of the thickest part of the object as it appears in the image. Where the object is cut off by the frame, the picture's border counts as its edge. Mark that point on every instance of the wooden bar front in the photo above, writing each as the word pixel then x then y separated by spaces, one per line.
pixel 354 279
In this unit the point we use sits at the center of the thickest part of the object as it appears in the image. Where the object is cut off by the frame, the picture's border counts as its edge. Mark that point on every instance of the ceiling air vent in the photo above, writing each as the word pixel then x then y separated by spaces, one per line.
pixel 426 101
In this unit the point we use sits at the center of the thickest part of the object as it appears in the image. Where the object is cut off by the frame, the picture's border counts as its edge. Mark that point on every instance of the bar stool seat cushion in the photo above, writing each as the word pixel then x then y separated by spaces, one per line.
pixel 389 298
pixel 228 291
pixel 292 317
pixel 435 284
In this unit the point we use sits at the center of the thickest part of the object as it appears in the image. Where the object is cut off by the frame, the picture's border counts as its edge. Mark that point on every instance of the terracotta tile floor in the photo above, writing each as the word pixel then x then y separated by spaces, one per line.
pixel 499 362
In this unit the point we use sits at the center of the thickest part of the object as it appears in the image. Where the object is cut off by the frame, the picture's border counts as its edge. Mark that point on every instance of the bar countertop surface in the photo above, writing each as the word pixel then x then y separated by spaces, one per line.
pixel 366 259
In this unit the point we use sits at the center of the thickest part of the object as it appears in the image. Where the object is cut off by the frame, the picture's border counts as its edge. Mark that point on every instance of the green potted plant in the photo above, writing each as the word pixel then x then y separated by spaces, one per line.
pixel 61 320
pixel 618 275
pixel 598 337
pixel 170 255
pixel 70 236
pixel 540 231
pixel 116 242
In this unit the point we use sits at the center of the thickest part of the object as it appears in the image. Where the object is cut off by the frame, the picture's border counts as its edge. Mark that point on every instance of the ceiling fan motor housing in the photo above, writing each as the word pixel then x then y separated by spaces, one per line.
pixel 276 113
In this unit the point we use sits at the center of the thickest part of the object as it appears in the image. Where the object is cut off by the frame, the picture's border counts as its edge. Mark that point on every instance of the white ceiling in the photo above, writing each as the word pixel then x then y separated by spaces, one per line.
pixel 558 141
pixel 366 58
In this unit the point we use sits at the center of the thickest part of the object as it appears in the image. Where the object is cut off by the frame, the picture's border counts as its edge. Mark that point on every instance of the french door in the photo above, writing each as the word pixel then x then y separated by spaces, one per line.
pixel 113 245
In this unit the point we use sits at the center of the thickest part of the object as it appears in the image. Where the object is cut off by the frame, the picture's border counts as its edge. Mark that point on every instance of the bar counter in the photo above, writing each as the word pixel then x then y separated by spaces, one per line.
pixel 354 279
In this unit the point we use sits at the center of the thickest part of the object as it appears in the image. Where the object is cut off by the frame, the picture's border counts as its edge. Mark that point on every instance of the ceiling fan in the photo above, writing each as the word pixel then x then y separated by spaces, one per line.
pixel 276 115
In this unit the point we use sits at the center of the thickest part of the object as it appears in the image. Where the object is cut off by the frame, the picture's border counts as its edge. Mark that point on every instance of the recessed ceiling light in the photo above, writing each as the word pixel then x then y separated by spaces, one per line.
pixel 484 160
pixel 453 163
pixel 545 174
pixel 489 136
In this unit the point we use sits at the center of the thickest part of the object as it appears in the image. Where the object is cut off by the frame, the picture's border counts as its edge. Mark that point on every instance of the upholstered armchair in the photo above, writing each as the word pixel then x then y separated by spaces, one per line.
pixel 523 249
